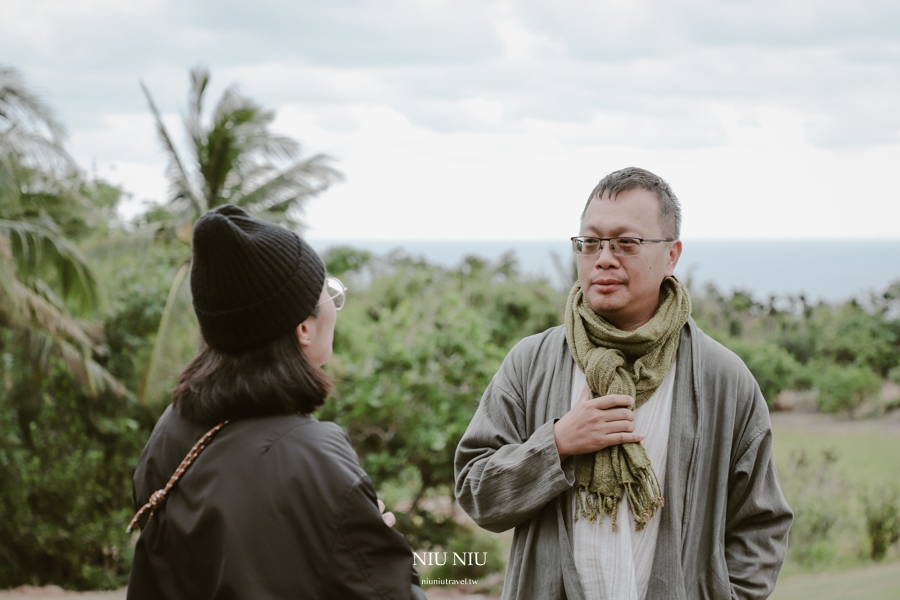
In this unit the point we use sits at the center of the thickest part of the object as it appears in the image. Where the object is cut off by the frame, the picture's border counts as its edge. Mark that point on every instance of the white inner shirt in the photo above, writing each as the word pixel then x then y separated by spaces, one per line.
pixel 616 565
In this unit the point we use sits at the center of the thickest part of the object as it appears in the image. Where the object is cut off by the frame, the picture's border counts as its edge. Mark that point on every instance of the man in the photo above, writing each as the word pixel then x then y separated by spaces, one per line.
pixel 630 451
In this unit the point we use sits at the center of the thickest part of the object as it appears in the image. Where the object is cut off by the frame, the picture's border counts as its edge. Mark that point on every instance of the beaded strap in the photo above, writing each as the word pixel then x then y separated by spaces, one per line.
pixel 158 498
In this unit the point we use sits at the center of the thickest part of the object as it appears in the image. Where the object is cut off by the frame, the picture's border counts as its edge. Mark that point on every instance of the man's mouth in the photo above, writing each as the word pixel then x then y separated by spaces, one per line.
pixel 606 285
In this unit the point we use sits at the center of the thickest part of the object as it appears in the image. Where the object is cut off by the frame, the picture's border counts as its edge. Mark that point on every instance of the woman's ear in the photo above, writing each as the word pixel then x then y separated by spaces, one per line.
pixel 304 333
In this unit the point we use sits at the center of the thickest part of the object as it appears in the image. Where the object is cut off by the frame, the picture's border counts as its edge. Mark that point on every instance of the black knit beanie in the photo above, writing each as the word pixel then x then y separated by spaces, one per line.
pixel 252 281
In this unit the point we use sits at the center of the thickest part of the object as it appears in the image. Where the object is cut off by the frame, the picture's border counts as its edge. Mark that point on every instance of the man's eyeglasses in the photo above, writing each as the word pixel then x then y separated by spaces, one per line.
pixel 619 246
pixel 335 290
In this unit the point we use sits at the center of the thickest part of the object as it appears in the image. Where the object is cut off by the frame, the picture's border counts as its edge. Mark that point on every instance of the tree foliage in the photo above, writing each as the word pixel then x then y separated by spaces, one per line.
pixel 67 427
pixel 414 350
pixel 843 352
pixel 237 159
pixel 67 456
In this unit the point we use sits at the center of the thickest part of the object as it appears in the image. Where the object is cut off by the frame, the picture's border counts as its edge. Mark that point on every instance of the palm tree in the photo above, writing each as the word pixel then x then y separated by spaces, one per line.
pixel 234 158
pixel 42 274
pixel 30 135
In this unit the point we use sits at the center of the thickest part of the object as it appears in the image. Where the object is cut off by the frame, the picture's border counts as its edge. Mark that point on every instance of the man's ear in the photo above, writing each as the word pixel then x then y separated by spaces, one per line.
pixel 673 256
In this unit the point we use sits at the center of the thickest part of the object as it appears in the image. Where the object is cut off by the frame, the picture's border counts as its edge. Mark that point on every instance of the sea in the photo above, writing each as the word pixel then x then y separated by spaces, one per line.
pixel 821 270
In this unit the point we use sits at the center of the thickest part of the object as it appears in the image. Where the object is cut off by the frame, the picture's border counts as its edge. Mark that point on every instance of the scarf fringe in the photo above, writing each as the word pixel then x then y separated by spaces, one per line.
pixel 644 500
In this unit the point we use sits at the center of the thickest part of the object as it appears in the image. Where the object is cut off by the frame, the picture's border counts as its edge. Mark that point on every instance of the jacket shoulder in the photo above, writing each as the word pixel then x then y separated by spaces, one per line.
pixel 715 360
pixel 327 443
pixel 540 346
pixel 727 383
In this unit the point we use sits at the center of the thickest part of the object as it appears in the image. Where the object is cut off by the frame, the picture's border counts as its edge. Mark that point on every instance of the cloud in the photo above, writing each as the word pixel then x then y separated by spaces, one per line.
pixel 480 105
pixel 651 63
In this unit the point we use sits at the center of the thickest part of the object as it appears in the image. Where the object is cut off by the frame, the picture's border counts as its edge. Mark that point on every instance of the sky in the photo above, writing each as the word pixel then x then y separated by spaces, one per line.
pixel 465 119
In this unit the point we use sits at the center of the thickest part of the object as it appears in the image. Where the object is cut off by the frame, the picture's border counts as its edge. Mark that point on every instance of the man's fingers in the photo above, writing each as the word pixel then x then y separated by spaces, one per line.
pixel 627 438
pixel 613 401
pixel 380 506
pixel 617 414
pixel 585 393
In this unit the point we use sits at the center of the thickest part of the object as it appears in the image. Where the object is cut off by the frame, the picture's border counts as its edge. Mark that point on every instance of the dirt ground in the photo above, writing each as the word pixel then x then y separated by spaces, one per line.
pixel 51 592
pixel 826 424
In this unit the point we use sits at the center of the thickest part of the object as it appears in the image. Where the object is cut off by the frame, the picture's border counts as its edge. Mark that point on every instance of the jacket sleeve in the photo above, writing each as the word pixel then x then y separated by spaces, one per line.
pixel 370 559
pixel 758 519
pixel 505 474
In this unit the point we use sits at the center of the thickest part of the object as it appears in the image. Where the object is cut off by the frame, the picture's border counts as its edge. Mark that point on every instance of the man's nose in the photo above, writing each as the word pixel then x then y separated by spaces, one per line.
pixel 605 258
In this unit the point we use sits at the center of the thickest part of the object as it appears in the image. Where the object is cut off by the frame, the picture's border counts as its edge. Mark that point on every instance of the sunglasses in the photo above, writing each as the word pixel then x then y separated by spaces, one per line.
pixel 336 291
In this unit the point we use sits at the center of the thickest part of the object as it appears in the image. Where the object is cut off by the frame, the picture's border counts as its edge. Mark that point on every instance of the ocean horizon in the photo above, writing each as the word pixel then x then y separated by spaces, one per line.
pixel 826 270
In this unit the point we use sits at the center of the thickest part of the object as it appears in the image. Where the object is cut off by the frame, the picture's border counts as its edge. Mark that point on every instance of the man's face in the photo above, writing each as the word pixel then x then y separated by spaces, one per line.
pixel 624 290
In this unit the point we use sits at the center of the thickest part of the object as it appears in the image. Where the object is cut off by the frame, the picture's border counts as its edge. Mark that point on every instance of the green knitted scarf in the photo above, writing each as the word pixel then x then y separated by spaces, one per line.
pixel 632 363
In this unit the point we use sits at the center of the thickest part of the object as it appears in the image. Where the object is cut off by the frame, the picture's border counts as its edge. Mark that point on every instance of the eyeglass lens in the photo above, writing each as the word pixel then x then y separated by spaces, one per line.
pixel 618 246
pixel 336 292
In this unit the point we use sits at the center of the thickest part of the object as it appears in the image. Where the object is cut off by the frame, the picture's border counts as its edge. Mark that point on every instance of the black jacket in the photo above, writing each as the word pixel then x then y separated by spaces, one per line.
pixel 274 507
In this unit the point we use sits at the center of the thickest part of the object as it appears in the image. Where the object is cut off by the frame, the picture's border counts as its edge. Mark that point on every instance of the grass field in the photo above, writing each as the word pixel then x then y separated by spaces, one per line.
pixel 878 582
pixel 868 454
pixel 868 450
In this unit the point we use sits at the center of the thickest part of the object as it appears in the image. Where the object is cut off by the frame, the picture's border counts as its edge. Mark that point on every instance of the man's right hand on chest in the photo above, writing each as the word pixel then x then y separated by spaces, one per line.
pixel 594 424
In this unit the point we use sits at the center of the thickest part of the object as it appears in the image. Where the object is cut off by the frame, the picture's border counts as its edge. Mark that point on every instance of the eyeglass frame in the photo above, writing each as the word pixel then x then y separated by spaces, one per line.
pixel 599 240
pixel 342 292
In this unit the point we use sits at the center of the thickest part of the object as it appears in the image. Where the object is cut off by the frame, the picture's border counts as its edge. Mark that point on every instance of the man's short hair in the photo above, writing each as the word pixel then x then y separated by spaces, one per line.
pixel 634 177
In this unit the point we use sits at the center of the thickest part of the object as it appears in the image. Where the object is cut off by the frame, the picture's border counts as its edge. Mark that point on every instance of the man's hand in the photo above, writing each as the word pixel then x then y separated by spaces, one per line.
pixel 389 519
pixel 594 424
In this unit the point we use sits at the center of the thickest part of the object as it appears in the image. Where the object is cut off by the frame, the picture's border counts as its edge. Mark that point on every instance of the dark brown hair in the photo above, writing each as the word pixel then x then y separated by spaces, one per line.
pixel 635 177
pixel 273 379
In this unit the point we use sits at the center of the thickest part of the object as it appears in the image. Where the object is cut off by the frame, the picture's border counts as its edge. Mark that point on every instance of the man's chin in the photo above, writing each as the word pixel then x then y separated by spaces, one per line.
pixel 606 306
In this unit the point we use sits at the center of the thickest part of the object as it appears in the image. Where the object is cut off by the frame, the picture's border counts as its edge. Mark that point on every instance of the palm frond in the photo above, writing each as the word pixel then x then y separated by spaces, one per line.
pixel 292 186
pixel 89 373
pixel 18 104
pixel 50 330
pixel 176 340
pixel 218 158
pixel 37 248
pixel 41 314
pixel 130 247
pixel 10 302
pixel 193 122
pixel 39 346
pixel 179 180
pixel 31 148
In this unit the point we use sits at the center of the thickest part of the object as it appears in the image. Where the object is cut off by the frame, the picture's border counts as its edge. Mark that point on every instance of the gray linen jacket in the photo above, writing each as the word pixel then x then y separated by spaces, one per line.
pixel 723 530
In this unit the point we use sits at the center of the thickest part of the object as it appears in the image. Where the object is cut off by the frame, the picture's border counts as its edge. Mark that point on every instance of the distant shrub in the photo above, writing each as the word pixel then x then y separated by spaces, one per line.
pixel 882 511
pixel 774 368
pixel 818 498
pixel 894 374
pixel 844 388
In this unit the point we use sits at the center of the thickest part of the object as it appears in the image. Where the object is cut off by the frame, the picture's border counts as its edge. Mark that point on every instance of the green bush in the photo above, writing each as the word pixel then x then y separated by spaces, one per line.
pixel 774 368
pixel 415 347
pixel 65 488
pixel 844 388
pixel 66 457
pixel 818 498
pixel 852 335
pixel 882 511
pixel 894 374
